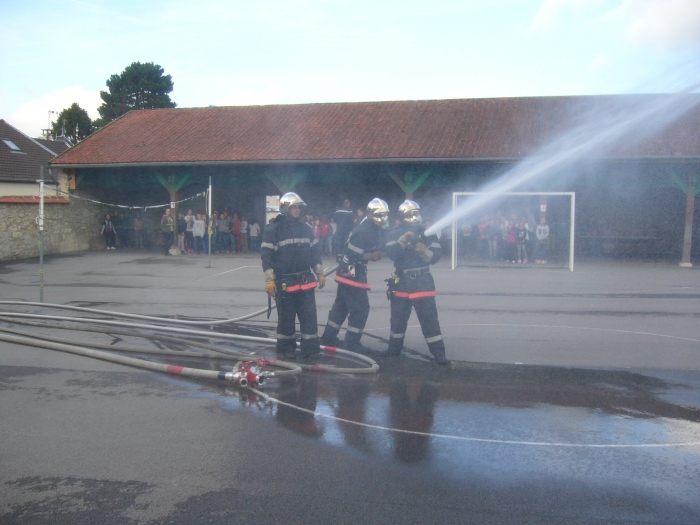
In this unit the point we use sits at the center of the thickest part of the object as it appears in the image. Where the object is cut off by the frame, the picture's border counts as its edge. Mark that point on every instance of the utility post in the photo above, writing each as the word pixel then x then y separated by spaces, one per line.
pixel 209 219
pixel 40 223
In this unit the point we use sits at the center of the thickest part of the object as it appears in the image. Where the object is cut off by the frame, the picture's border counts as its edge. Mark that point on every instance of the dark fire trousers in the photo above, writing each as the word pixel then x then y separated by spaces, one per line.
pixel 426 310
pixel 291 305
pixel 348 301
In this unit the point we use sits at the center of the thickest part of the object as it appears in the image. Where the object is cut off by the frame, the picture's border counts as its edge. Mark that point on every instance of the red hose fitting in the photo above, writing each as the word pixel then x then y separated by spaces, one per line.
pixel 250 373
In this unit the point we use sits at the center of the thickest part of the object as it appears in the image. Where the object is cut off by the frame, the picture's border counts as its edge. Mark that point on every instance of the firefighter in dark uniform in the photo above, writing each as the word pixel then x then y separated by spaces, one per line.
pixel 365 243
pixel 289 253
pixel 412 285
pixel 344 219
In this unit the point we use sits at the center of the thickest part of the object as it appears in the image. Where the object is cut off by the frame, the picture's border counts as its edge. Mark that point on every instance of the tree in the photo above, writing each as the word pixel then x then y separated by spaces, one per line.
pixel 139 86
pixel 72 122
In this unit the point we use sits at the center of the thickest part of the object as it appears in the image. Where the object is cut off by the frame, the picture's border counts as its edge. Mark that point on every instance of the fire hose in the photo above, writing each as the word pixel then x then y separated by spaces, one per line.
pixel 245 374
pixel 152 318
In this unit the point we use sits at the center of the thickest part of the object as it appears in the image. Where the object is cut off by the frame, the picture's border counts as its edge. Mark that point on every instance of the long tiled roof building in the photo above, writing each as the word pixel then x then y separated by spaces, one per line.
pixel 503 129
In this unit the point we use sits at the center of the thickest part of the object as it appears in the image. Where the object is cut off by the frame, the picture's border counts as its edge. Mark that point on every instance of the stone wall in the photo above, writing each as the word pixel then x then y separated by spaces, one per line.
pixel 67 228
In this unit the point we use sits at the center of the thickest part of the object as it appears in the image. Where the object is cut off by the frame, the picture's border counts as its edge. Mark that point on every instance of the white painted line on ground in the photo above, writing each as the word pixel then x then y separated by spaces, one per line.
pixel 222 273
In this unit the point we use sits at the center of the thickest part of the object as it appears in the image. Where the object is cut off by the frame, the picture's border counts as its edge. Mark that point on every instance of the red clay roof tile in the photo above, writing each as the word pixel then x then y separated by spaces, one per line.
pixel 469 129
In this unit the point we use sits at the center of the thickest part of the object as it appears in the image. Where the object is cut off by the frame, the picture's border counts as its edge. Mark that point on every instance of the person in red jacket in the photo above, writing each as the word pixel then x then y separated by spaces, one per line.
pixel 324 235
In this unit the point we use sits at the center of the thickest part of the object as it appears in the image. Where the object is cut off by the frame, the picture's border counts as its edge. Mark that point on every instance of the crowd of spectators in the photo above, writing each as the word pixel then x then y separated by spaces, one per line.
pixel 513 238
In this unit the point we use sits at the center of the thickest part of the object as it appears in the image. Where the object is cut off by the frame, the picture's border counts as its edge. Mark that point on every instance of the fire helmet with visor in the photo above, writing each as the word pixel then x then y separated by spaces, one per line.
pixel 288 200
pixel 409 211
pixel 378 212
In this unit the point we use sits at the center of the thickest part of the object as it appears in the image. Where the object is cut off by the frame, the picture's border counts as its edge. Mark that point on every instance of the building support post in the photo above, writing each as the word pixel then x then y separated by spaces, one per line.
pixel 688 235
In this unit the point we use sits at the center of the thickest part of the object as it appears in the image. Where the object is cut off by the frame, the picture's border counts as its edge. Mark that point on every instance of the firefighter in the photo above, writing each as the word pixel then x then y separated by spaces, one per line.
pixel 289 253
pixel 364 244
pixel 412 285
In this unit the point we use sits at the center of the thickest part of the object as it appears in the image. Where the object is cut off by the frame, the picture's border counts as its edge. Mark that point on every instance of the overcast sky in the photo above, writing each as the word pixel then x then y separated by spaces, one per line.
pixel 241 52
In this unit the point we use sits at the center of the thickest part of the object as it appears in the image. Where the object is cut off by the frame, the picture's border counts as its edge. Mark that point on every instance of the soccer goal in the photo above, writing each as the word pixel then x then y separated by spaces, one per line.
pixel 485 228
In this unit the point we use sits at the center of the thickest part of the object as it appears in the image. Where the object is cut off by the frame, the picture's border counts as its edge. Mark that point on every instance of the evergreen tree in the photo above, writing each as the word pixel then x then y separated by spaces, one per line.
pixel 139 86
pixel 73 122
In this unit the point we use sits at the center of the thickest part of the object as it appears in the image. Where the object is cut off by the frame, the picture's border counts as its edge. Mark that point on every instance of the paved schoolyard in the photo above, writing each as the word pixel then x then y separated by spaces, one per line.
pixel 572 398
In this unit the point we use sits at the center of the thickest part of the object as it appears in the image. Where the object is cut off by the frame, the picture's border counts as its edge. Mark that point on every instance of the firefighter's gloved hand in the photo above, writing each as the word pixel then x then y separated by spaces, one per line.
pixel 376 256
pixel 321 280
pixel 270 288
pixel 420 247
pixel 405 239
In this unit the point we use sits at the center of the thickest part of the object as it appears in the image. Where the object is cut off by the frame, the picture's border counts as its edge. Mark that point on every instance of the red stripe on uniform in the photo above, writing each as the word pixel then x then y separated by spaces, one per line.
pixel 418 295
pixel 316 368
pixel 415 295
pixel 350 282
pixel 172 369
pixel 330 349
pixel 297 287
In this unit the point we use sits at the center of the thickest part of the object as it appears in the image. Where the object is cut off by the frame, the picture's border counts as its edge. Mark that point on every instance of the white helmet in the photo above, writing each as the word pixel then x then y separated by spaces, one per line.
pixel 409 211
pixel 378 212
pixel 288 200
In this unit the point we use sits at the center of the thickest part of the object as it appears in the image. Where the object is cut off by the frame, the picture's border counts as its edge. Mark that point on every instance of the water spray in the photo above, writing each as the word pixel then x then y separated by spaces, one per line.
pixel 600 132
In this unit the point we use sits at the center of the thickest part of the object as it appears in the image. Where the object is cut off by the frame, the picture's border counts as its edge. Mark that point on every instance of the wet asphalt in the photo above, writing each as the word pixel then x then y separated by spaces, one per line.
pixel 571 398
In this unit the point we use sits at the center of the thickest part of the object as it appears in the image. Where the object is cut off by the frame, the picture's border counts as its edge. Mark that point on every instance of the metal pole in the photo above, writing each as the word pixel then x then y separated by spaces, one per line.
pixel 454 234
pixel 571 233
pixel 209 218
pixel 41 236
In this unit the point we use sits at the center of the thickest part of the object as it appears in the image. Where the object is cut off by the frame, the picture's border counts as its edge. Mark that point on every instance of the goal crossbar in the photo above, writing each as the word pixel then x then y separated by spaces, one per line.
pixel 570 194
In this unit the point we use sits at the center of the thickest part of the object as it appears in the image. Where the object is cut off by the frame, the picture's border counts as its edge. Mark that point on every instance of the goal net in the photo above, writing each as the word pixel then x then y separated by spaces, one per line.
pixel 489 233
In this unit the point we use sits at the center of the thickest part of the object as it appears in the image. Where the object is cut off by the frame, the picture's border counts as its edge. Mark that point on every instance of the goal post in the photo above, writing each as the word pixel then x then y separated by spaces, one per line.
pixel 497 197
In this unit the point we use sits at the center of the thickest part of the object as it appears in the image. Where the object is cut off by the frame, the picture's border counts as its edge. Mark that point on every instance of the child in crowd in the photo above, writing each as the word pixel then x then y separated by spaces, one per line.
pixel 254 228
pixel 511 238
pixel 542 234
pixel 198 230
pixel 109 232
pixel 138 231
pixel 236 227
pixel 244 234
pixel 224 239
pixel 214 226
pixel 189 237
pixel 522 237
pixel 181 228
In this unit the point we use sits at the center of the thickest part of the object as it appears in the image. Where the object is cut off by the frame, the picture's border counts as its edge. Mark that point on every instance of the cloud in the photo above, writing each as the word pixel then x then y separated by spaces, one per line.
pixel 33 116
pixel 601 62
pixel 550 12
pixel 663 24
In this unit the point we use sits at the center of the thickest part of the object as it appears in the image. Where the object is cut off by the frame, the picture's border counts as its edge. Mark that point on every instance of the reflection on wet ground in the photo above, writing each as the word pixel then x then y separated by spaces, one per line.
pixel 411 409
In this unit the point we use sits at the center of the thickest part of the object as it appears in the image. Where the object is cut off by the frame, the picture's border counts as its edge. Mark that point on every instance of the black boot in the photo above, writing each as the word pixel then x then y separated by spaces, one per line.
pixel 439 356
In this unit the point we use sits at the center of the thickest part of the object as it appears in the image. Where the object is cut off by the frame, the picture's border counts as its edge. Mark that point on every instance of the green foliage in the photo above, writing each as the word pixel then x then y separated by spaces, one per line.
pixel 139 86
pixel 72 122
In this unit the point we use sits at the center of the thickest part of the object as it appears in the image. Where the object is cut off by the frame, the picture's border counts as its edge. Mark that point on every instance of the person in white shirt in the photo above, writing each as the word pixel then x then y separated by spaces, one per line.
pixel 254 229
pixel 198 230
pixel 244 234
